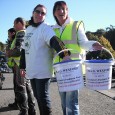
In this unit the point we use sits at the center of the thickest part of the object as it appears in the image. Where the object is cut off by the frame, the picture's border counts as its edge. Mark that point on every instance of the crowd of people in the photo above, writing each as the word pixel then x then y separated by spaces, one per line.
pixel 30 52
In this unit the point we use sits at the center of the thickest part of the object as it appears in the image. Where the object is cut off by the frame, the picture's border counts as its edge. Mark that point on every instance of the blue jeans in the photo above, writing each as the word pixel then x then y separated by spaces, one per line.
pixel 69 102
pixel 41 92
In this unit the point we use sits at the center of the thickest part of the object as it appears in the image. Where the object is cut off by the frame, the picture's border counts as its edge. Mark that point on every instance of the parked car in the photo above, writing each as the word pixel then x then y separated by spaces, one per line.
pixel 3 68
pixel 3 64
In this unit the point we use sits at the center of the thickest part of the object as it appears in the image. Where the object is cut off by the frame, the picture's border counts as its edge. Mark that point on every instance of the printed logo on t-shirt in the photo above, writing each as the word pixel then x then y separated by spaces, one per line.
pixel 27 42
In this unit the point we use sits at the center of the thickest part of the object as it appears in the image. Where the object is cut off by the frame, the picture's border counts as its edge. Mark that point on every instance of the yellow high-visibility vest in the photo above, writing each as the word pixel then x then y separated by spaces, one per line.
pixel 13 60
pixel 69 36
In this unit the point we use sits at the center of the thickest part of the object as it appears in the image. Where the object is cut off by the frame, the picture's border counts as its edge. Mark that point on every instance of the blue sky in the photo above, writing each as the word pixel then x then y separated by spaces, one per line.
pixel 96 14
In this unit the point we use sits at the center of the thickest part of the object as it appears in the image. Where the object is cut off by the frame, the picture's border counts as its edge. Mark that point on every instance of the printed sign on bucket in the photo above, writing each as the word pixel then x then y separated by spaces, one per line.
pixel 69 76
pixel 98 75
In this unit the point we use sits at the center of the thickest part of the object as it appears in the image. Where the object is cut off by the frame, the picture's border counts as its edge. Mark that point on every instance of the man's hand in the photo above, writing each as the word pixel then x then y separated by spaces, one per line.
pixel 8 53
pixel 22 72
pixel 66 58
pixel 97 46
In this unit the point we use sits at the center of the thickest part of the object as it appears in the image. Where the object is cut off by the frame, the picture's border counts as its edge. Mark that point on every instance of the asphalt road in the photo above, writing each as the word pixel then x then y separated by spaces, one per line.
pixel 91 102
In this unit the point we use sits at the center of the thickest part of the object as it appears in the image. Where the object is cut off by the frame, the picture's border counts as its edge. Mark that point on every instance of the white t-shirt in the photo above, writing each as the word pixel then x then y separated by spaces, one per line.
pixel 38 51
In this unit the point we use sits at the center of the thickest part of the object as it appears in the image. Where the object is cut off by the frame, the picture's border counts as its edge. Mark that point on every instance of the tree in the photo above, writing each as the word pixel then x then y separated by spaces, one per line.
pixel 107 45
pixel 102 40
pixel 110 35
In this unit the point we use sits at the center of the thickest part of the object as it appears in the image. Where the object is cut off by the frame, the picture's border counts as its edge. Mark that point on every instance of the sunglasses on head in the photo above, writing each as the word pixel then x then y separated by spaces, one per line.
pixel 40 12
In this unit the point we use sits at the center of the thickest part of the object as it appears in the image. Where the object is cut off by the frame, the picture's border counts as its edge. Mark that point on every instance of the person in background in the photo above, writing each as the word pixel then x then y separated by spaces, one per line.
pixel 39 42
pixel 23 90
pixel 73 36
pixel 11 36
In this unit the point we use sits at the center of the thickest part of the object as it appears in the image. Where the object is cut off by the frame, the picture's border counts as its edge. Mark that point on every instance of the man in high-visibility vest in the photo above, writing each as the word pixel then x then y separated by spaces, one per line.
pixel 73 35
pixel 11 36
pixel 23 90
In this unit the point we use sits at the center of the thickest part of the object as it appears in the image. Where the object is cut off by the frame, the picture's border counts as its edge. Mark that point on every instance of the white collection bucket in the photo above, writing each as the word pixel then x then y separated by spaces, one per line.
pixel 69 75
pixel 98 74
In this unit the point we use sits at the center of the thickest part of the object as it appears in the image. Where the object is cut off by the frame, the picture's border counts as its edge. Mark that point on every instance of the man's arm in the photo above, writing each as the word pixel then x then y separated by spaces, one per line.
pixel 58 45
pixel 22 60
pixel 16 51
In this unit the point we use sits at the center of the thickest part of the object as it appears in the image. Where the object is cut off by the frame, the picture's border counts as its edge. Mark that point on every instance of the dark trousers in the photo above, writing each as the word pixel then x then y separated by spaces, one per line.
pixel 14 83
pixel 41 92
pixel 24 94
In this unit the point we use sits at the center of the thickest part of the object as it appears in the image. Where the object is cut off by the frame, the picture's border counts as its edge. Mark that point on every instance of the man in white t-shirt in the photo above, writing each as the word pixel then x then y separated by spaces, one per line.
pixel 39 41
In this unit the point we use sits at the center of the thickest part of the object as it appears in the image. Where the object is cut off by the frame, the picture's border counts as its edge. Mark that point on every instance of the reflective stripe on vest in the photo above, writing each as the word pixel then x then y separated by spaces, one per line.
pixel 74 34
pixel 70 38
